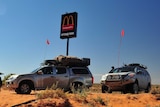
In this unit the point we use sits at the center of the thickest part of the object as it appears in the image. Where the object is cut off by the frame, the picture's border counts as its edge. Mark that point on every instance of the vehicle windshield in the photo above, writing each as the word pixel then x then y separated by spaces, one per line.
pixel 34 71
pixel 123 69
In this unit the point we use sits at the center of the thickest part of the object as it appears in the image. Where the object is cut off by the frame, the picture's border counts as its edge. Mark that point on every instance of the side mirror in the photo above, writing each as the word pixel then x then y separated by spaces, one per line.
pixel 40 72
pixel 139 71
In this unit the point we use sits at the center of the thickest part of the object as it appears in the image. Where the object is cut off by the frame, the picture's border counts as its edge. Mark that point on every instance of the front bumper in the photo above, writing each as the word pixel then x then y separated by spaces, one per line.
pixel 11 84
pixel 118 85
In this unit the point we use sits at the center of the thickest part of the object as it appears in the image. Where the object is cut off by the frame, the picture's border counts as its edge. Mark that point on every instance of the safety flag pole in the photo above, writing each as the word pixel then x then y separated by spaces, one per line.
pixel 122 35
pixel 47 43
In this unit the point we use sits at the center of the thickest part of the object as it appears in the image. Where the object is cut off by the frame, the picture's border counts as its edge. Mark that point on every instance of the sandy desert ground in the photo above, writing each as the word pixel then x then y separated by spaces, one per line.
pixel 9 98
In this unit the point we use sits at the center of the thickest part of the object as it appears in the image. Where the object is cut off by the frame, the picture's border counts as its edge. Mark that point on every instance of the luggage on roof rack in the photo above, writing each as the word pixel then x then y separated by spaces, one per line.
pixel 137 64
pixel 68 61
pixel 72 61
pixel 49 62
pixel 134 64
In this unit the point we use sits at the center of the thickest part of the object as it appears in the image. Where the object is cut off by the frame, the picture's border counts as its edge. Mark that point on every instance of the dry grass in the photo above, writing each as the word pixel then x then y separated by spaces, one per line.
pixel 156 91
pixel 48 98
pixel 48 93
pixel 96 88
pixel 53 97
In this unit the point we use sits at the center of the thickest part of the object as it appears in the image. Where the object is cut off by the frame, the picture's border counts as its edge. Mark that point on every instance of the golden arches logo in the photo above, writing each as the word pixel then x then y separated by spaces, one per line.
pixel 68 23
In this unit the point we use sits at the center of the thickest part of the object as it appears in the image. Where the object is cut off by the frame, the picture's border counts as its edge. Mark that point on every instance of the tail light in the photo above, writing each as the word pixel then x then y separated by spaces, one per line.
pixel 92 79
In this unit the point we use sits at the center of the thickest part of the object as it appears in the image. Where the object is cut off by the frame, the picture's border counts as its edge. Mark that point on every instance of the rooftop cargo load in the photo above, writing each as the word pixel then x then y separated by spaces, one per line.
pixel 68 61
pixel 137 64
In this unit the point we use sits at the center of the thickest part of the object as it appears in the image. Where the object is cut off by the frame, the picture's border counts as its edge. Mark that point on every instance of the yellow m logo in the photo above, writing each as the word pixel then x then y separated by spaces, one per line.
pixel 68 23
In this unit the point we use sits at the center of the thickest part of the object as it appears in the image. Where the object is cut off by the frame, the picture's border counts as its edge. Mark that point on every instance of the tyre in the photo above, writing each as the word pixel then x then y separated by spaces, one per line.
pixel 148 88
pixel 24 88
pixel 109 90
pixel 123 91
pixel 77 87
pixel 104 88
pixel 135 88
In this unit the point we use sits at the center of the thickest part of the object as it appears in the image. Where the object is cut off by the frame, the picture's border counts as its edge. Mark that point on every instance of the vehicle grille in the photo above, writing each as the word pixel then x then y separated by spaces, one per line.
pixel 113 77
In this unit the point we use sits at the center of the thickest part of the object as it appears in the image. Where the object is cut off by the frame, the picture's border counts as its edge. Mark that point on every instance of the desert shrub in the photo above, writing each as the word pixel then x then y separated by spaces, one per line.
pixel 95 88
pixel 49 93
pixel 52 92
pixel 157 96
pixel 155 89
pixel 80 94
pixel 80 89
pixel 99 100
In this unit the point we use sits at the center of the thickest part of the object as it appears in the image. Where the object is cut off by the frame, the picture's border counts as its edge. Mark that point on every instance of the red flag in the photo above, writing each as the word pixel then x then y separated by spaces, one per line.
pixel 122 33
pixel 47 42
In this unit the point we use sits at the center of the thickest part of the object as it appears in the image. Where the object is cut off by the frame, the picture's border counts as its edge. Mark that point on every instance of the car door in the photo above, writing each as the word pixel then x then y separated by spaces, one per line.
pixel 45 78
pixel 141 78
pixel 146 79
pixel 62 77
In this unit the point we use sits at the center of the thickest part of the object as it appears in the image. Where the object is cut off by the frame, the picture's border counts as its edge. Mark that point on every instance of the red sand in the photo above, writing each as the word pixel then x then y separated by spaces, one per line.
pixel 10 98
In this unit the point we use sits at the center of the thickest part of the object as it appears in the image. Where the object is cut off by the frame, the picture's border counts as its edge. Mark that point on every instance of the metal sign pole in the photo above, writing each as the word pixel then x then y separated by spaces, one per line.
pixel 67 47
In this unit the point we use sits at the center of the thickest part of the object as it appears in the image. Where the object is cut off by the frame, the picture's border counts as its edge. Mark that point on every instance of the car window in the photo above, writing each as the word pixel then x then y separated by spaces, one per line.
pixel 80 71
pixel 123 69
pixel 47 70
pixel 146 72
pixel 114 70
pixel 60 70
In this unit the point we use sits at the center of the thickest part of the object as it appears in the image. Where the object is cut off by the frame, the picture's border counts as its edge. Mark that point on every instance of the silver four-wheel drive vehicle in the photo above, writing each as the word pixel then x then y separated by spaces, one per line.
pixel 129 78
pixel 64 71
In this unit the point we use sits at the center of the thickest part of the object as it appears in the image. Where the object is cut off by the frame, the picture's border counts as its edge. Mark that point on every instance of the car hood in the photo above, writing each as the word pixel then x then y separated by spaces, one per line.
pixel 120 73
pixel 12 77
pixel 29 74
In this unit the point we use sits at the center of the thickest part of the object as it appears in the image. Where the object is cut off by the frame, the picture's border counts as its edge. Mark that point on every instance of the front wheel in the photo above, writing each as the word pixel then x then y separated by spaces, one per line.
pixel 104 88
pixel 148 88
pixel 135 88
pixel 109 90
pixel 24 88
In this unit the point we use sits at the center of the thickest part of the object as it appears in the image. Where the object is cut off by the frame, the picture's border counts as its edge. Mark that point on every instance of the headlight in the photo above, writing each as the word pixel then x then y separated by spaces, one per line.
pixel 13 77
pixel 109 77
pixel 103 78
pixel 113 77
pixel 131 75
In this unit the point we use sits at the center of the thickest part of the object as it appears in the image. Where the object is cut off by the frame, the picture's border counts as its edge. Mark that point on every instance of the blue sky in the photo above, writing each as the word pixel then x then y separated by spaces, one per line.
pixel 25 25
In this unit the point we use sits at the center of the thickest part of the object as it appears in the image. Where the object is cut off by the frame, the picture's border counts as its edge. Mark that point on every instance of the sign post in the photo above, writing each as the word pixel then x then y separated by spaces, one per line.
pixel 67 47
pixel 68 27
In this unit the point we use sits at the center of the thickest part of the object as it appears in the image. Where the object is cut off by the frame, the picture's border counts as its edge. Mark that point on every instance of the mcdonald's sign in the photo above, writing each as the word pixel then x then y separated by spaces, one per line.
pixel 68 25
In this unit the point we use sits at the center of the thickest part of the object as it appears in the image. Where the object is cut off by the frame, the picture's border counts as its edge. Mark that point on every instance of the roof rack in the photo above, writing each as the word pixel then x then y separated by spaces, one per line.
pixel 137 64
pixel 68 61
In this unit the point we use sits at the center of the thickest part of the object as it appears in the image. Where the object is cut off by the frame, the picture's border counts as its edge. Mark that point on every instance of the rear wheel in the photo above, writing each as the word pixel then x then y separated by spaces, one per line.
pixel 77 87
pixel 148 88
pixel 24 88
